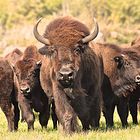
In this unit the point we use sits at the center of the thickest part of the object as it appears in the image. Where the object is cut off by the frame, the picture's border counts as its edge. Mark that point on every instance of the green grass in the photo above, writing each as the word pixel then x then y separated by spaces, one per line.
pixel 131 133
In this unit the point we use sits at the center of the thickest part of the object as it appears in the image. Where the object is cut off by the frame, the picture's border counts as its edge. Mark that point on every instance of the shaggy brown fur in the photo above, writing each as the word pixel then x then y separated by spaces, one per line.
pixel 31 52
pixel 82 99
pixel 31 96
pixel 122 80
pixel 8 101
pixel 14 56
pixel 65 32
pixel 119 79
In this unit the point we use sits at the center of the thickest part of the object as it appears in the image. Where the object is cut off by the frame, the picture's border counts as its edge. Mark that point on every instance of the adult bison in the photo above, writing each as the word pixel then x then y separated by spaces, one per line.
pixel 31 95
pixel 8 93
pixel 122 69
pixel 71 72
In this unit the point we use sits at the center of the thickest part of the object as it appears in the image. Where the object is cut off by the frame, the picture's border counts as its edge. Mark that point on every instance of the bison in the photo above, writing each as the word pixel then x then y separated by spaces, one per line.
pixel 31 95
pixel 71 72
pixel 122 73
pixel 8 94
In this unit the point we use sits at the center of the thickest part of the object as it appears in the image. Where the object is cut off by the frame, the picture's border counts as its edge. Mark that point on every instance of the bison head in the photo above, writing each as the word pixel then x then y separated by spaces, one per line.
pixel 128 71
pixel 65 41
pixel 27 72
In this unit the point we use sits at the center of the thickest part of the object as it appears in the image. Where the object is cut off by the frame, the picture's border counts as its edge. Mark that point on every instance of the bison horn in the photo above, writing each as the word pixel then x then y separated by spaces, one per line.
pixel 38 36
pixel 39 62
pixel 92 35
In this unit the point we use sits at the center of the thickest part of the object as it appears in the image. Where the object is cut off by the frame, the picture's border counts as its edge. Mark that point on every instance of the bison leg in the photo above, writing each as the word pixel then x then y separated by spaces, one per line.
pixel 44 116
pixel 28 116
pixel 26 111
pixel 95 112
pixel 16 109
pixel 82 110
pixel 54 116
pixel 108 111
pixel 64 110
pixel 43 119
pixel 8 110
pixel 85 123
pixel 133 111
pixel 122 108
pixel 17 114
pixel 108 101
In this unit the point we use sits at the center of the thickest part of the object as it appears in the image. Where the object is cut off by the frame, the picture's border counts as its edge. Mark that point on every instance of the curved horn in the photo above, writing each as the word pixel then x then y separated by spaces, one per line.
pixel 38 36
pixel 92 35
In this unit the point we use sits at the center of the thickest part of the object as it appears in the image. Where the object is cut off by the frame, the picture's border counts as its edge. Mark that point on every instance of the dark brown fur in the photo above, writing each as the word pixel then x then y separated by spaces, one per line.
pixel 27 71
pixel 117 80
pixel 8 101
pixel 133 104
pixel 135 95
pixel 83 99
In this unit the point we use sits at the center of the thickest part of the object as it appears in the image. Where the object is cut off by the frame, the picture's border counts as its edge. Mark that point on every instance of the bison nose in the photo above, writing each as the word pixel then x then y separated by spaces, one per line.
pixel 66 78
pixel 66 75
pixel 137 79
pixel 25 89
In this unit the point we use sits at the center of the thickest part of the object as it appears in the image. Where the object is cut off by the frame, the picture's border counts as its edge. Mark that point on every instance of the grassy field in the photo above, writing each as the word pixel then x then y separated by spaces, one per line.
pixel 131 133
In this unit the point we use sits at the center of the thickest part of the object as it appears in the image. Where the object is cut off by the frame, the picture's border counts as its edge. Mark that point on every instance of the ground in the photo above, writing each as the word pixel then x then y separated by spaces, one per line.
pixel 131 133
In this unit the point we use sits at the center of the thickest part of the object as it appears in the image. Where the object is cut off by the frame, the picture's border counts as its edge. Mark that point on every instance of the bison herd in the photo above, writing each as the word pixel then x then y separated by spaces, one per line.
pixel 70 77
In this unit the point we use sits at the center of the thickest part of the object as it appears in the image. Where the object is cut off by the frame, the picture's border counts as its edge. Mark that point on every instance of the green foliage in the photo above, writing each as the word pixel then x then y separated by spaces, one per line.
pixel 124 12
pixel 119 16
pixel 17 12
pixel 34 9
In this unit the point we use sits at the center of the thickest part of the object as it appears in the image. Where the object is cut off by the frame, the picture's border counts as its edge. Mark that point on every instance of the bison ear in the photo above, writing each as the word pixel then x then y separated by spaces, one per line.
pixel 119 60
pixel 43 50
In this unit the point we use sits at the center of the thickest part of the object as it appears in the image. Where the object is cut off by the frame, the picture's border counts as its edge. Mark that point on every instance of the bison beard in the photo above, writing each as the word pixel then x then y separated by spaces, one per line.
pixel 71 72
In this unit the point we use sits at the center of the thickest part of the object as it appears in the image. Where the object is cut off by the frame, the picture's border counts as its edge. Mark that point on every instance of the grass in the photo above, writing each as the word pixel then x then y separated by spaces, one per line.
pixel 117 133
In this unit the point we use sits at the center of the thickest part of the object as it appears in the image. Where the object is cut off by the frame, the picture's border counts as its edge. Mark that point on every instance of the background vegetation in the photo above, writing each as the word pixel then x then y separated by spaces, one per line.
pixel 118 20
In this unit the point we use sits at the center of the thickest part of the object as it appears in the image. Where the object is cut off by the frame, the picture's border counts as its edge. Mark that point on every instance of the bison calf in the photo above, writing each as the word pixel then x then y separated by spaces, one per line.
pixel 31 95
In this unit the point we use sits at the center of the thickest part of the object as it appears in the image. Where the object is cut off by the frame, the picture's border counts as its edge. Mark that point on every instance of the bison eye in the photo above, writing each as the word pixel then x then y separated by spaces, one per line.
pixel 77 51
pixel 119 60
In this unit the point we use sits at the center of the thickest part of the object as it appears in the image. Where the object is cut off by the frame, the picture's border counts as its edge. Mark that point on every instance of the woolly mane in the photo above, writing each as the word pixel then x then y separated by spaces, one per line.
pixel 65 31
pixel 30 52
